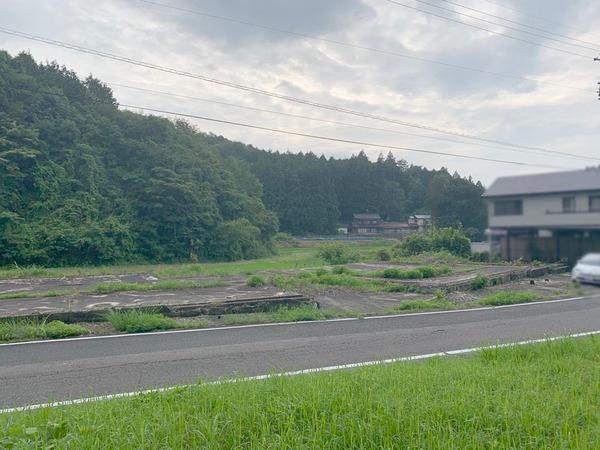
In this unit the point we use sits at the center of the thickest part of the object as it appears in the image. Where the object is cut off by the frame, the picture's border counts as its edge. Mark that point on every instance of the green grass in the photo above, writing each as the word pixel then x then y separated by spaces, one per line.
pixel 255 281
pixel 137 321
pixel 425 305
pixel 283 314
pixel 166 285
pixel 412 274
pixel 479 282
pixel 509 298
pixel 307 281
pixel 36 294
pixel 23 329
pixel 285 259
pixel 537 396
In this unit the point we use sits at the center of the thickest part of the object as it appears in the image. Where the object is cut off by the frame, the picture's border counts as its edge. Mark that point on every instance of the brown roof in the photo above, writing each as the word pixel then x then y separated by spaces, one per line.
pixel 392 225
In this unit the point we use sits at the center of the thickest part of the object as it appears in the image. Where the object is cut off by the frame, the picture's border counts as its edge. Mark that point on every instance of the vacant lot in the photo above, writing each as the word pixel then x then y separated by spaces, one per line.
pixel 537 396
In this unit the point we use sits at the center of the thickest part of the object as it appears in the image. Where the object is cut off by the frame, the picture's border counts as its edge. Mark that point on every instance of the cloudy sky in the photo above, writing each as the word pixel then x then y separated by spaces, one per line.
pixel 554 107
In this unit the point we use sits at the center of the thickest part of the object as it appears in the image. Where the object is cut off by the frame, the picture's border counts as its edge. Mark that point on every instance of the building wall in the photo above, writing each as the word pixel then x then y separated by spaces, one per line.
pixel 546 211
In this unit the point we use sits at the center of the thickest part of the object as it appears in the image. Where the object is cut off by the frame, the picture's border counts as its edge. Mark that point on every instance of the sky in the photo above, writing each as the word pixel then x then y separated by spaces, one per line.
pixel 556 108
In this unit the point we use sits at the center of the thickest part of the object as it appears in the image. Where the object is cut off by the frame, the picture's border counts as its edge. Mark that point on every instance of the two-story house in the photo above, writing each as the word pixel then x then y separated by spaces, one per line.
pixel 548 217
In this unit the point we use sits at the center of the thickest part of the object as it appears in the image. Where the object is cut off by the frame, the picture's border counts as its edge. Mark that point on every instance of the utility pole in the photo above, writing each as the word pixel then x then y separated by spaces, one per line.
pixel 597 58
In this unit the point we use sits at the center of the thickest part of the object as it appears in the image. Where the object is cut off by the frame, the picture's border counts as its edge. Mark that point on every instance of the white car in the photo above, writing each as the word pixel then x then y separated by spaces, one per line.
pixel 587 269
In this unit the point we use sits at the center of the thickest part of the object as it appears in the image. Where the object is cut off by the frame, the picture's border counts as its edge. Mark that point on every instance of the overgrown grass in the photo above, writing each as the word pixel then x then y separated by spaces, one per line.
pixel 412 274
pixel 255 281
pixel 310 280
pixel 283 314
pixel 22 329
pixel 537 396
pixel 479 282
pixel 138 321
pixel 285 259
pixel 425 305
pixel 36 294
pixel 509 298
pixel 166 285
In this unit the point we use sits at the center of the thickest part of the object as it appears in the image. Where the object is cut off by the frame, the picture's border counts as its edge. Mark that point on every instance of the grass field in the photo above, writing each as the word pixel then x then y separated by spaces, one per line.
pixel 536 396
pixel 26 329
pixel 286 258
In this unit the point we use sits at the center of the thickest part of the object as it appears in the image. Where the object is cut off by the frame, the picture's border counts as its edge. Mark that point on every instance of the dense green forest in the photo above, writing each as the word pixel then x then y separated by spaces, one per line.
pixel 82 182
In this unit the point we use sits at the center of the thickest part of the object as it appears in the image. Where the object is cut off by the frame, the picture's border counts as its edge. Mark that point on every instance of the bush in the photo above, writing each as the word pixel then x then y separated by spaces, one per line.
pixel 33 329
pixel 451 240
pixel 479 282
pixel 340 270
pixel 417 273
pixel 480 257
pixel 384 255
pixel 285 240
pixel 337 254
pixel 135 321
pixel 255 281
pixel 509 298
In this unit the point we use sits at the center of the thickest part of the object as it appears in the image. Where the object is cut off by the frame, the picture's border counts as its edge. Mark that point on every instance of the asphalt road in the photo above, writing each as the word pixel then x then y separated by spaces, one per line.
pixel 53 371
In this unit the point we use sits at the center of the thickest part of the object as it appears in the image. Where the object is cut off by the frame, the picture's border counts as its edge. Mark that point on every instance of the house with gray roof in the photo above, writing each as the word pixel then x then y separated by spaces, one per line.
pixel 548 217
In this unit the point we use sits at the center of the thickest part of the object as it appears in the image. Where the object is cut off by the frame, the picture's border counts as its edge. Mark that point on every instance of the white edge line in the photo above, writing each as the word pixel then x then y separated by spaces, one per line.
pixel 305 322
pixel 463 351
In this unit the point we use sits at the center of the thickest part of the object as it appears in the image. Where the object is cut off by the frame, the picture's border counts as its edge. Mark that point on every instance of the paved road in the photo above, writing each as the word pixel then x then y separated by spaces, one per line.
pixel 37 373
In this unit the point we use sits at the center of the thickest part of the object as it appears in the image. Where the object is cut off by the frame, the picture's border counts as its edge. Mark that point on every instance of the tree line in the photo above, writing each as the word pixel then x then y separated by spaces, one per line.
pixel 82 182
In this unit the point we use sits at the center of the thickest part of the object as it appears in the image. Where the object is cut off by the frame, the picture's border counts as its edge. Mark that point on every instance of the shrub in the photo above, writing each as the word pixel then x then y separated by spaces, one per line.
pixel 480 257
pixel 451 240
pixel 479 282
pixel 285 240
pixel 384 255
pixel 509 298
pixel 32 329
pixel 417 273
pixel 340 270
pixel 255 281
pixel 135 321
pixel 337 254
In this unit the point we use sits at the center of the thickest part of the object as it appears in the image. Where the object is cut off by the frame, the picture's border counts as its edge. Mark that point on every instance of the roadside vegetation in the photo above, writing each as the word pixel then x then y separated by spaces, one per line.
pixel 547 399
pixel 27 329
pixel 283 314
pixel 509 298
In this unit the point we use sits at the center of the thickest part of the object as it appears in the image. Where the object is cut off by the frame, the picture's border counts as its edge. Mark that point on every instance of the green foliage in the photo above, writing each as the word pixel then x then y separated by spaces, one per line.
pixel 451 240
pixel 164 285
pixel 509 298
pixel 138 321
pixel 338 254
pixel 255 281
pixel 480 257
pixel 384 255
pixel 285 240
pixel 34 329
pixel 340 270
pixel 536 396
pixel 416 273
pixel 283 314
pixel 84 183
pixel 479 282
pixel 425 305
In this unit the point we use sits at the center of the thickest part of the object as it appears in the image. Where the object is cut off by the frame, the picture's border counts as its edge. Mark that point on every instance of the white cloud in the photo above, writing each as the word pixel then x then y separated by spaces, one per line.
pixel 505 109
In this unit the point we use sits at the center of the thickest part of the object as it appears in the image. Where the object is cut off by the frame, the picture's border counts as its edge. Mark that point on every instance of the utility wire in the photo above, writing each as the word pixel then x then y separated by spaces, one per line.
pixel 508 36
pixel 361 47
pixel 533 16
pixel 531 27
pixel 258 90
pixel 344 124
pixel 333 139
pixel 508 27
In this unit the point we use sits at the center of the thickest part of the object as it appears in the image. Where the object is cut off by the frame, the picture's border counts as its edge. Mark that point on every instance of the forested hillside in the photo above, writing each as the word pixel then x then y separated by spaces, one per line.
pixel 82 182
pixel 313 194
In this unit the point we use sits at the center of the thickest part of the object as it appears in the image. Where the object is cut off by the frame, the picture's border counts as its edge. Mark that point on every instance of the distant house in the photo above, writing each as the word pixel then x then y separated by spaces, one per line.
pixel 373 224
pixel 421 221
pixel 547 217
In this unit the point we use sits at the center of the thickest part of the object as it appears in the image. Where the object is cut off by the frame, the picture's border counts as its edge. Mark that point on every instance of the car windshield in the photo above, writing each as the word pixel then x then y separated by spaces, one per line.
pixel 591 260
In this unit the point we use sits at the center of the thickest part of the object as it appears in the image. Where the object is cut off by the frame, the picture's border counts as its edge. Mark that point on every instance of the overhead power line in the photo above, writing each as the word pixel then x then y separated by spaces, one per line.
pixel 333 139
pixel 508 27
pixel 533 16
pixel 531 27
pixel 364 48
pixel 345 124
pixel 258 90
pixel 508 36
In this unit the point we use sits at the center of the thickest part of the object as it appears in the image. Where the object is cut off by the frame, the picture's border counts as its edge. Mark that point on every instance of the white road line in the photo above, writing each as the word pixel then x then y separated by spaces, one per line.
pixel 259 325
pixel 296 372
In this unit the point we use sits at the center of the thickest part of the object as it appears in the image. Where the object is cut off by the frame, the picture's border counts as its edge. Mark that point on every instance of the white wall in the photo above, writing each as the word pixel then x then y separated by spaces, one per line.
pixel 536 208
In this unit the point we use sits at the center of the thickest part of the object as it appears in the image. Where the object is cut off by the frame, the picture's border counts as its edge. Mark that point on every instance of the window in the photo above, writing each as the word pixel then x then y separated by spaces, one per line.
pixel 595 203
pixel 568 204
pixel 508 208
